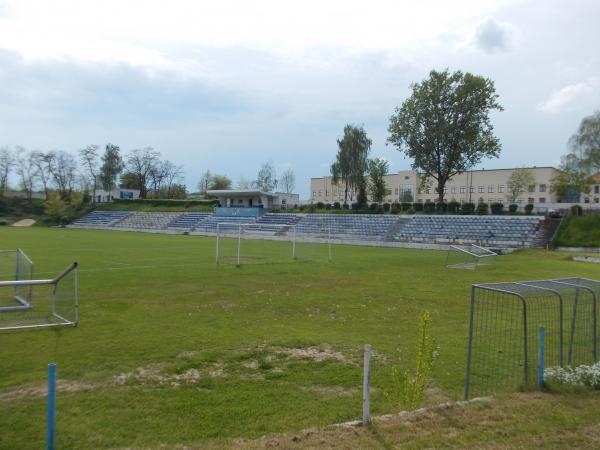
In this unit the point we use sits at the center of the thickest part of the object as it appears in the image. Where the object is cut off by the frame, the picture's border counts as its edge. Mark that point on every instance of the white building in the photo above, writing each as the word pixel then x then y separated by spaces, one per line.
pixel 103 196
pixel 252 198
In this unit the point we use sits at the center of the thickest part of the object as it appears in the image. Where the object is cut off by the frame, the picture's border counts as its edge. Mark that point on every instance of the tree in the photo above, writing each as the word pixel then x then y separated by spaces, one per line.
pixel 586 142
pixel 89 160
pixel 518 181
pixel 142 167
pixel 41 163
pixel 351 163
pixel 112 166
pixel 266 179
pixel 63 171
pixel 26 170
pixel 7 161
pixel 445 126
pixel 288 181
pixel 378 169
pixel 204 183
pixel 219 182
pixel 243 183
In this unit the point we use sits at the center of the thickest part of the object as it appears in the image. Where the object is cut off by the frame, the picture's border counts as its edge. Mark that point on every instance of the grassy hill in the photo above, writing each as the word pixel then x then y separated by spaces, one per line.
pixel 580 231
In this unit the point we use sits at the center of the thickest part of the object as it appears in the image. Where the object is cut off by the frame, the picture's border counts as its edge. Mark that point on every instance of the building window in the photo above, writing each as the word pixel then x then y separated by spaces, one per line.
pixel 542 188
pixel 326 192
pixel 320 192
pixel 542 200
pixel 500 189
pixel 480 189
pixel 531 188
pixel 530 200
pixel 396 191
pixel 427 191
pixel 586 200
pixel 453 189
pixel 406 177
pixel 490 189
pixel 597 189
pixel 463 189
pixel 472 190
pixel 596 200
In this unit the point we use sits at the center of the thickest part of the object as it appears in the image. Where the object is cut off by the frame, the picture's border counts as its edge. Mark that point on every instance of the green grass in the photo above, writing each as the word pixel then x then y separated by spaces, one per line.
pixel 217 352
pixel 580 231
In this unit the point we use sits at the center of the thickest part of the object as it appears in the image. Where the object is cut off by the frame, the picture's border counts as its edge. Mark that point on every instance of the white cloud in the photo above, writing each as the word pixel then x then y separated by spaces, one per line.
pixel 565 97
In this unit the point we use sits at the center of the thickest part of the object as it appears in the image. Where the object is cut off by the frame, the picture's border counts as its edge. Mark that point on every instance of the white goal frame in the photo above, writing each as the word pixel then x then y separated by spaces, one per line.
pixel 241 231
pixel 474 256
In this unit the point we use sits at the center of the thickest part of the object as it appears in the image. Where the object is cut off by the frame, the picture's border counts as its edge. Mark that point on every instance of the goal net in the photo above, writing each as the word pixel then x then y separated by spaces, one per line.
pixel 29 303
pixel 469 257
pixel 239 244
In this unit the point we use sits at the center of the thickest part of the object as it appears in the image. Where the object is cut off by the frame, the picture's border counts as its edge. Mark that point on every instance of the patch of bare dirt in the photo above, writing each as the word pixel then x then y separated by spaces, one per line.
pixel 37 390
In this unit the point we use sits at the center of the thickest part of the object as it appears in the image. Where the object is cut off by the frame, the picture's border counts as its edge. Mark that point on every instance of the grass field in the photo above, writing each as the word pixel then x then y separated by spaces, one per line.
pixel 173 350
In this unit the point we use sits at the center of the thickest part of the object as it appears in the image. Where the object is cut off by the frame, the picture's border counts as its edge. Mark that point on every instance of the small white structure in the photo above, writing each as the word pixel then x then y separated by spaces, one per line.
pixel 103 196
pixel 253 198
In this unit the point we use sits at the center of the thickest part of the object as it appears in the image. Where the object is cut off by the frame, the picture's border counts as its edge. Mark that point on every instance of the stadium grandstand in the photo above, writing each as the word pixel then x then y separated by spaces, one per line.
pixel 384 229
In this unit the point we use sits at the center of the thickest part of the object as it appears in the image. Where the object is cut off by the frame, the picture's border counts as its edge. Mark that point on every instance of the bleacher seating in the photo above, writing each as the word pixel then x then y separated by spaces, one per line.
pixel 210 224
pixel 189 221
pixel 101 218
pixel 475 229
pixel 148 220
pixel 366 226
pixel 441 229
pixel 274 222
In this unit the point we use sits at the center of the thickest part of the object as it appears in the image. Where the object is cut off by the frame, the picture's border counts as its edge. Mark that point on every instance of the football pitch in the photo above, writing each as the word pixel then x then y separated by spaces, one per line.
pixel 173 349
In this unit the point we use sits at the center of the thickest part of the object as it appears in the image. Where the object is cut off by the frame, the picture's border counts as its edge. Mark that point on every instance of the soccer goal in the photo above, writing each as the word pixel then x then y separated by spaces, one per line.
pixel 247 243
pixel 469 257
pixel 29 303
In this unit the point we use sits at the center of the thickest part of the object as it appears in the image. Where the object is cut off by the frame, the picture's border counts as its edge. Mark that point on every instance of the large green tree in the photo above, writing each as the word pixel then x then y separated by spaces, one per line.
pixel 112 166
pixel 378 169
pixel 352 162
pixel 445 125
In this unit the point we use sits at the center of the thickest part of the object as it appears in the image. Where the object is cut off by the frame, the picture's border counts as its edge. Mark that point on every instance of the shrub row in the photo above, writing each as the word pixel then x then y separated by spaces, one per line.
pixel 428 208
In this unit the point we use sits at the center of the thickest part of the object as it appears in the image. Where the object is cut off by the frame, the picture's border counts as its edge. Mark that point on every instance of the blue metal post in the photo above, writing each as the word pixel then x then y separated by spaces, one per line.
pixel 51 416
pixel 541 358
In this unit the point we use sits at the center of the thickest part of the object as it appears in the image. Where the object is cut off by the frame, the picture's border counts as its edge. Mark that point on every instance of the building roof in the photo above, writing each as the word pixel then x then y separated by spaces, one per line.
pixel 239 192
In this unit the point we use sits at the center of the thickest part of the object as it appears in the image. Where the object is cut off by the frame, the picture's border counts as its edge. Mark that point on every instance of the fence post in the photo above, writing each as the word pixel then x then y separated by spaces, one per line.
pixel 366 379
pixel 51 411
pixel 541 357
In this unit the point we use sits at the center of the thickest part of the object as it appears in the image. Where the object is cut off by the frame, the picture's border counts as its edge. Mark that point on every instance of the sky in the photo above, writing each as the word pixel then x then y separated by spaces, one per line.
pixel 228 85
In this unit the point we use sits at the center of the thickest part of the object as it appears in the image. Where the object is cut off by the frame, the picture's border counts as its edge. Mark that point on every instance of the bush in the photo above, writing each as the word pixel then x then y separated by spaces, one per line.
pixel 441 207
pixel 482 209
pixel 429 207
pixel 409 388
pixel 345 206
pixel 407 205
pixel 394 211
pixel 336 205
pixel 467 208
pixel 513 207
pixel 320 205
pixel 497 208
pixel 528 208
pixel 410 211
pixel 453 207
pixel 576 210
pixel 373 206
pixel 386 207
pixel 3 222
pixel 417 206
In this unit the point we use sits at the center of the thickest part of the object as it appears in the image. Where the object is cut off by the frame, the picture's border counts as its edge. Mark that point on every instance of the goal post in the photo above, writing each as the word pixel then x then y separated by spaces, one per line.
pixel 469 256
pixel 244 243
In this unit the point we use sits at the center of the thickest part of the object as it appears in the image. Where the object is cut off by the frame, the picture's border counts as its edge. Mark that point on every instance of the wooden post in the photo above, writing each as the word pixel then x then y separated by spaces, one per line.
pixel 366 379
